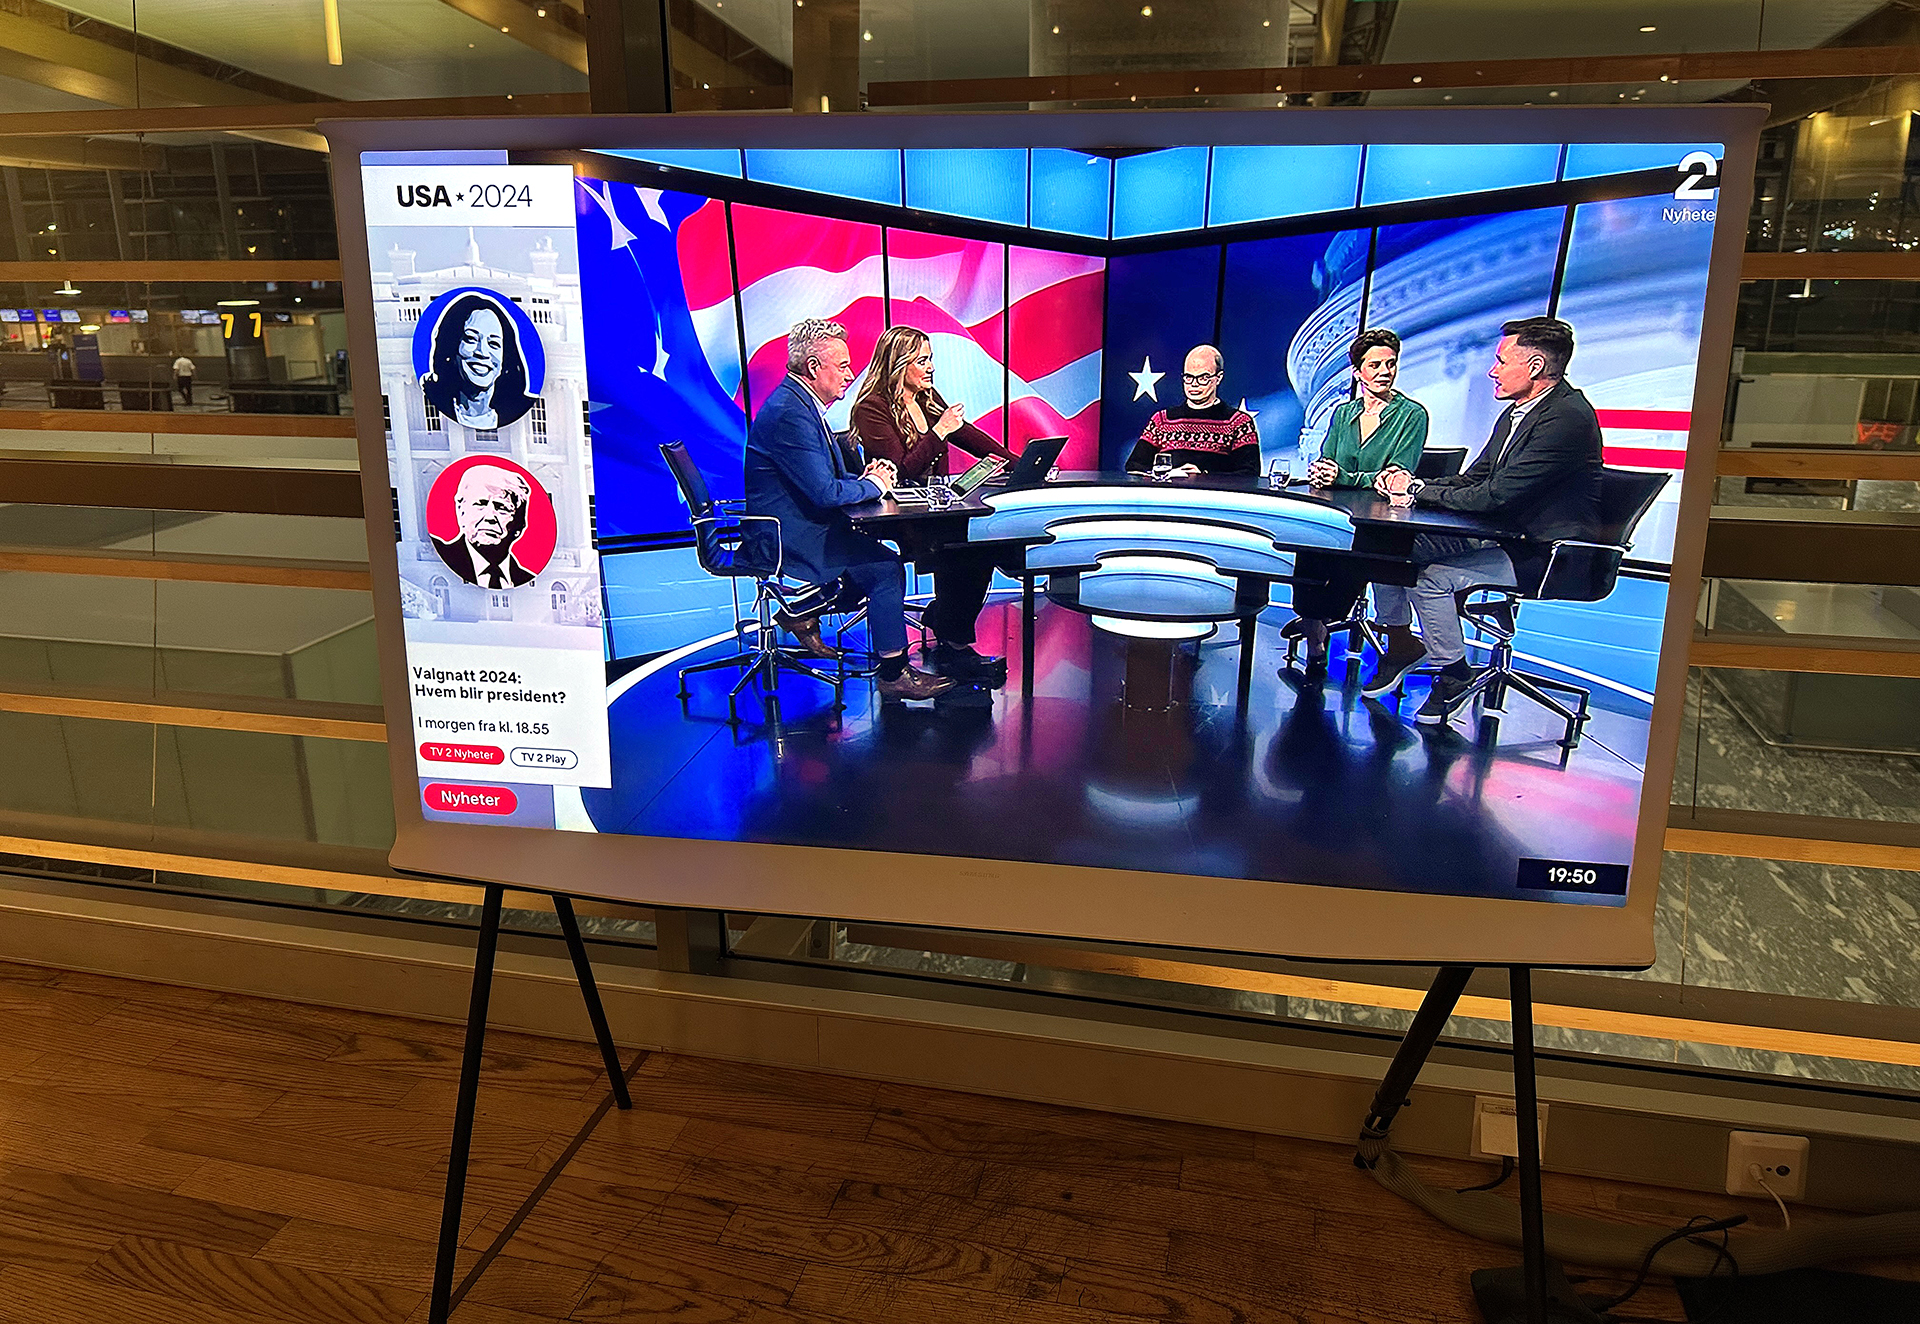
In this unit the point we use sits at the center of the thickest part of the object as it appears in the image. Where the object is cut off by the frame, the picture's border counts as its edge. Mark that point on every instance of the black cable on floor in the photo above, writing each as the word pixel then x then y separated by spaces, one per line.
pixel 1506 1170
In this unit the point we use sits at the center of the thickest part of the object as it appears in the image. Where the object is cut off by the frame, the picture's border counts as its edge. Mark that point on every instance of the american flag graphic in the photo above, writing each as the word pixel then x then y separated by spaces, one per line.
pixel 1015 331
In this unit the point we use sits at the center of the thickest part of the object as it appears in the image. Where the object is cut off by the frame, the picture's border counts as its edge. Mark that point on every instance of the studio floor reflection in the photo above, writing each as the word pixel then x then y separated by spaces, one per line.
pixel 1100 768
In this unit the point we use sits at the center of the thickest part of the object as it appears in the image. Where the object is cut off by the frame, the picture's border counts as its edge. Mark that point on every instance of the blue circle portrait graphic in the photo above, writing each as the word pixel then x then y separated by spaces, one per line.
pixel 478 357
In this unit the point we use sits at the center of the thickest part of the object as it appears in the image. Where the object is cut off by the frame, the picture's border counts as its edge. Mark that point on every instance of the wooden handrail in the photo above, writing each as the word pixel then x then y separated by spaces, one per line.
pixel 210 425
pixel 1824 655
pixel 284 115
pixel 1818 462
pixel 1738 66
pixel 216 712
pixel 239 271
pixel 187 567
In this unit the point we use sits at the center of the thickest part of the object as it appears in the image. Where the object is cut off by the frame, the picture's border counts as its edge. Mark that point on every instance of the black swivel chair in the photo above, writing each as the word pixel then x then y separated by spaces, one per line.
pixel 1577 571
pixel 719 532
pixel 1435 462
pixel 1440 462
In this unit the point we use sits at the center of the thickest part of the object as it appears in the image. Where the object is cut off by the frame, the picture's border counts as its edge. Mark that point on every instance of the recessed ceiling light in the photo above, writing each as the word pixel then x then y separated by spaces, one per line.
pixel 1146 11
pixel 1056 29
pixel 867 35
pixel 1649 28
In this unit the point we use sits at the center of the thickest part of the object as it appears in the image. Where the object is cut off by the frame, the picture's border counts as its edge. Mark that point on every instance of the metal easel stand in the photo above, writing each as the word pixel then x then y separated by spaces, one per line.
pixel 441 1300
pixel 1505 1296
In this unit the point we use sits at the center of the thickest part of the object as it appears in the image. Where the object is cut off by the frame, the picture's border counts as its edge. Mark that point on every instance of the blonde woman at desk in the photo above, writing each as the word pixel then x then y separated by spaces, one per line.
pixel 899 417
pixel 1379 428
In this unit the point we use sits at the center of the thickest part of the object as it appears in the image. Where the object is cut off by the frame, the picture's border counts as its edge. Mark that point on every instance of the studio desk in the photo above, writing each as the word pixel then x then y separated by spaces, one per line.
pixel 1171 558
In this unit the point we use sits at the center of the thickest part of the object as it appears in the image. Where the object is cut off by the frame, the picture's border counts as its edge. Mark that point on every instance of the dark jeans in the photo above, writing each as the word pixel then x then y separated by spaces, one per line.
pixel 186 389
pixel 877 579
pixel 961 577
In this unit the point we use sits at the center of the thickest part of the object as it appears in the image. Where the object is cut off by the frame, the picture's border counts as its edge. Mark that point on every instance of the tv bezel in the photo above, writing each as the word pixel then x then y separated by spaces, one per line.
pixel 1191 912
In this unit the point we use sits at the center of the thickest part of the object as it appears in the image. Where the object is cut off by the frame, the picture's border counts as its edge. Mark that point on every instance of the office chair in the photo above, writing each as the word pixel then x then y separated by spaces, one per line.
pixel 720 544
pixel 1577 571
pixel 1435 462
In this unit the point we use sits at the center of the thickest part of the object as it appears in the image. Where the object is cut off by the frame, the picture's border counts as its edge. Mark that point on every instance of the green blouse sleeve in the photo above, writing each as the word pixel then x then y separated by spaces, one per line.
pixel 1409 440
pixel 1342 444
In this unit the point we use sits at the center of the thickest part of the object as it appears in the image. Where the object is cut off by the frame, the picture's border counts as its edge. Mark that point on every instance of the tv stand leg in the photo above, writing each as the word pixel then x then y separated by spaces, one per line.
pixel 441 1298
pixel 590 993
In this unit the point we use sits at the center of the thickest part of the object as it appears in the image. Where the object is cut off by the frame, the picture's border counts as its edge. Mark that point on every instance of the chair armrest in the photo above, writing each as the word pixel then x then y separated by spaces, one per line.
pixel 779 546
pixel 1580 571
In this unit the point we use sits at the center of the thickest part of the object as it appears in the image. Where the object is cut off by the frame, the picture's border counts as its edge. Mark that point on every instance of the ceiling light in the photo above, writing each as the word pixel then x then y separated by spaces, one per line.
pixel 1553 94
pixel 330 20
pixel 867 35
pixel 1417 78
pixel 67 289
pixel 238 303
pixel 503 29
pixel 1146 11
pixel 1056 29
pixel 1266 22
pixel 1649 28
pixel 540 13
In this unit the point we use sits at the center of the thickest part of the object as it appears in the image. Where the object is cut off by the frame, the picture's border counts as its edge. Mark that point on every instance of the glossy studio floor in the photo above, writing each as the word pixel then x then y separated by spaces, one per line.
pixel 175 1156
pixel 1121 760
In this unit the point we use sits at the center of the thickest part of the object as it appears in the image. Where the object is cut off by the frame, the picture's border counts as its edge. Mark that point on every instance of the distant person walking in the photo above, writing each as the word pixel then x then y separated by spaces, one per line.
pixel 183 378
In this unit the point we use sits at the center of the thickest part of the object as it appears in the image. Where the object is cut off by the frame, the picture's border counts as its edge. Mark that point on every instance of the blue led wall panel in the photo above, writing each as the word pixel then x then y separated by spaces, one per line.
pixel 1265 183
pixel 1071 191
pixel 871 174
pixel 1290 309
pixel 1159 306
pixel 1446 287
pixel 1403 172
pixel 1586 160
pixel 1156 192
pixel 986 183
pixel 707 160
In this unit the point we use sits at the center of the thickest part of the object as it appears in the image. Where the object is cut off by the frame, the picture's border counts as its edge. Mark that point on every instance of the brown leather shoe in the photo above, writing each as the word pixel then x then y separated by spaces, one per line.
pixel 913 684
pixel 806 629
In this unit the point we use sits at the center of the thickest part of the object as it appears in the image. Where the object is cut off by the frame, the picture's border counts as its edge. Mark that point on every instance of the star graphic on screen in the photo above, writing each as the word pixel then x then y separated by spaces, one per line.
pixel 1250 413
pixel 1146 380
pixel 459 197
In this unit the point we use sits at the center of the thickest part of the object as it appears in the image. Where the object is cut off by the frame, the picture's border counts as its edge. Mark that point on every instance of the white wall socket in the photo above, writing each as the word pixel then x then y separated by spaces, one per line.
pixel 1495 1134
pixel 1783 1159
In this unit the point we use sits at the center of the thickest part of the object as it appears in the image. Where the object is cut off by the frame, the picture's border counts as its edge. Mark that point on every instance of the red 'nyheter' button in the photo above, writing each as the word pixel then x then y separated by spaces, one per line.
pixel 452 799
pixel 440 752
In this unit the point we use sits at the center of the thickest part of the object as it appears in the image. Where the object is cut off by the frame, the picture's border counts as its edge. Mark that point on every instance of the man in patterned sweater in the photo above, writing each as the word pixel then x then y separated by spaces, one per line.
pixel 1205 435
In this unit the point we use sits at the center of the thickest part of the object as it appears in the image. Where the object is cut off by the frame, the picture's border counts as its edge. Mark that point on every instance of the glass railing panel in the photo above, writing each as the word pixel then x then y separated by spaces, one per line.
pixel 358 50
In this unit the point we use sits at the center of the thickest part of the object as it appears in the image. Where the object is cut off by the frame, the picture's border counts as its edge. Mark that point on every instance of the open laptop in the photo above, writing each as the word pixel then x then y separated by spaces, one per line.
pixel 1035 462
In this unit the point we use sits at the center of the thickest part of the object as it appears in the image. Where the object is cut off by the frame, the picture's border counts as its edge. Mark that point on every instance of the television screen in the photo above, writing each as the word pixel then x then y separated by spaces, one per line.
pixel 1339 609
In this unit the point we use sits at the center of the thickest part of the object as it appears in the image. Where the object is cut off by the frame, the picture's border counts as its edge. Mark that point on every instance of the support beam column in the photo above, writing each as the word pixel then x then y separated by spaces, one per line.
pixel 629 57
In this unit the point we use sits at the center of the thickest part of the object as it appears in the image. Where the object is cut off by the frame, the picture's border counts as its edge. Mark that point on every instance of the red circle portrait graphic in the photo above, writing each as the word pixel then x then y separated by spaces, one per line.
pixel 491 521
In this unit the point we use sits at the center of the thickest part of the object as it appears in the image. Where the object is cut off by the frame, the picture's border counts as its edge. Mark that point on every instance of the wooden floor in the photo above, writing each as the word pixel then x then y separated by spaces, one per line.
pixel 170 1156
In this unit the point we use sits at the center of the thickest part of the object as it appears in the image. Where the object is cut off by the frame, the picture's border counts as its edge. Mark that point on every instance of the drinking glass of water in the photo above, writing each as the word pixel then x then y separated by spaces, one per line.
pixel 1162 464
pixel 1279 474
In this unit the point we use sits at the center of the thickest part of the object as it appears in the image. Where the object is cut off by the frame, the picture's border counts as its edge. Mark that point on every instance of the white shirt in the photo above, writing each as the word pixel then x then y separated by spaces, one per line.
pixel 1519 412
pixel 183 366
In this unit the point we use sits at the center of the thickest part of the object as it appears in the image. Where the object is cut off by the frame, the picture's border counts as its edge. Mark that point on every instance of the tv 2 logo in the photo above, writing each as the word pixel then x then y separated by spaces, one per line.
pixel 435 195
pixel 1700 178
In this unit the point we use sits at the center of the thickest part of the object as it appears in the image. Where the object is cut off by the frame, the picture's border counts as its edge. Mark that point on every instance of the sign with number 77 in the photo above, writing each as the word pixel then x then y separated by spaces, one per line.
pixel 239 329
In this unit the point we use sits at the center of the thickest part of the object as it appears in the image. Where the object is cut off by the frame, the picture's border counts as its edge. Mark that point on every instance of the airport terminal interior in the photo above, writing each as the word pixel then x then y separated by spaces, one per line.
pixel 234 1031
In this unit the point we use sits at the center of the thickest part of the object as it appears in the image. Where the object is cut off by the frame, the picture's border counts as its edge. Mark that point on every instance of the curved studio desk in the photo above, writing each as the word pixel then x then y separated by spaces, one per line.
pixel 1171 559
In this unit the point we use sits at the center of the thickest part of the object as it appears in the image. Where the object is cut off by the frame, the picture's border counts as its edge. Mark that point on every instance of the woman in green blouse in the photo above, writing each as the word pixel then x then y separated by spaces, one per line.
pixel 1379 427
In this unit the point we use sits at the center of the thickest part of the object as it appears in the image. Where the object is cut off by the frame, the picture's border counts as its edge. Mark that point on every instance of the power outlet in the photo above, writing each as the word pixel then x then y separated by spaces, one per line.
pixel 1495 1132
pixel 1781 1159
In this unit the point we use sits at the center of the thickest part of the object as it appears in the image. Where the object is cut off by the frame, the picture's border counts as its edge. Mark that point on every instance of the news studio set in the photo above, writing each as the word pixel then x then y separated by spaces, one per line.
pixel 1266 533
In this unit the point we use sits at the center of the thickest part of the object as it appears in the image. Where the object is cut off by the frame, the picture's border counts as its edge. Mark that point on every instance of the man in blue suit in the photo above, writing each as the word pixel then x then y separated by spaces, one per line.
pixel 798 473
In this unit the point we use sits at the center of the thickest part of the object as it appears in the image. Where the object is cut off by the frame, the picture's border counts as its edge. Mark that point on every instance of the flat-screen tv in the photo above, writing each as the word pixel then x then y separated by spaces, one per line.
pixel 1349 621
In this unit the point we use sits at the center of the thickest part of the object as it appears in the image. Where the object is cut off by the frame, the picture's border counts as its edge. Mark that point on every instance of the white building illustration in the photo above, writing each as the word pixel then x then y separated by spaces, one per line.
pixel 550 441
